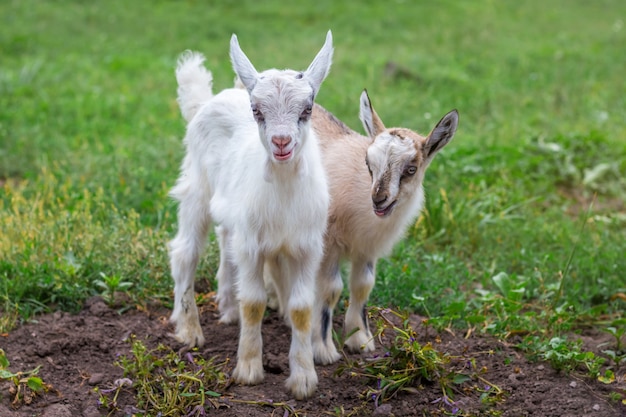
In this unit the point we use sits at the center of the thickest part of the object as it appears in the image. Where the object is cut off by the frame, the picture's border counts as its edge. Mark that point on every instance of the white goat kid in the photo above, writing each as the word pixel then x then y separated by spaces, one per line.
pixel 258 175
pixel 376 191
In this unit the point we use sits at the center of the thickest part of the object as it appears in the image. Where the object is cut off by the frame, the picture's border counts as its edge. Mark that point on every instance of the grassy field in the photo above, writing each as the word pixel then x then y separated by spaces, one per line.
pixel 525 224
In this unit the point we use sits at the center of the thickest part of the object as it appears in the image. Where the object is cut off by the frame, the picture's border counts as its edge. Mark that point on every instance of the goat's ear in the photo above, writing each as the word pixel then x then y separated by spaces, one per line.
pixel 371 122
pixel 319 68
pixel 242 65
pixel 441 134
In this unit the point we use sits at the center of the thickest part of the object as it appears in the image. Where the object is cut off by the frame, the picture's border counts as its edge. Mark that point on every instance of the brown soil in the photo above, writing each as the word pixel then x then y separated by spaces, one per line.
pixel 77 353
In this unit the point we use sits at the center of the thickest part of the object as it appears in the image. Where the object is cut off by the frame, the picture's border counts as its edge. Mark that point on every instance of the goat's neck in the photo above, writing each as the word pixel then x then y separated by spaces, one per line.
pixel 296 168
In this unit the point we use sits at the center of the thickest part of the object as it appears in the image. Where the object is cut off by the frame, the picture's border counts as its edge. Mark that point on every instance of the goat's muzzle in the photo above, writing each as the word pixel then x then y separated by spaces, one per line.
pixel 282 151
pixel 382 209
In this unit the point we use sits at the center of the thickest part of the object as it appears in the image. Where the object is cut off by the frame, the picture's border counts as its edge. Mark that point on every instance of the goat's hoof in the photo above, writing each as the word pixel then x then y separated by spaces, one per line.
pixel 360 342
pixel 272 302
pixel 190 335
pixel 229 317
pixel 325 354
pixel 248 372
pixel 302 385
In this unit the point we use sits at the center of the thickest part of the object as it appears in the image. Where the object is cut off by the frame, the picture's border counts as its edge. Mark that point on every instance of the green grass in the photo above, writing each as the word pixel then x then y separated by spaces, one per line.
pixel 525 222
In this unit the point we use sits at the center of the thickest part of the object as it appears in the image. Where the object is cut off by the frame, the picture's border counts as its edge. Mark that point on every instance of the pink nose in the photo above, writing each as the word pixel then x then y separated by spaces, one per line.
pixel 281 141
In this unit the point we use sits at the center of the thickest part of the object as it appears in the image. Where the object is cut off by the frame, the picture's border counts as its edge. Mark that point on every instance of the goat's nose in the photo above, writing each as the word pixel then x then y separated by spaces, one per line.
pixel 281 140
pixel 379 199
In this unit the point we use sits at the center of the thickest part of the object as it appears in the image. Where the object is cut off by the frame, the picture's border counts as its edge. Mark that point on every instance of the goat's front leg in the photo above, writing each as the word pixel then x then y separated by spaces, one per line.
pixel 252 301
pixel 362 279
pixel 329 287
pixel 185 250
pixel 302 381
pixel 226 280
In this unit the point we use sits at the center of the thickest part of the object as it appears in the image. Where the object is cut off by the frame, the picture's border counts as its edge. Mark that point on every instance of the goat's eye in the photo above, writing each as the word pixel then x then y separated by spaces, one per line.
pixel 410 170
pixel 306 114
pixel 258 115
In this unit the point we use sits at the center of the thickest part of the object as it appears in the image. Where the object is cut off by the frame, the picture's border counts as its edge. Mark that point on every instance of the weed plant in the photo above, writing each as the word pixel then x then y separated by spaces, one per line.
pixel 565 355
pixel 166 383
pixel 407 365
pixel 25 385
pixel 617 352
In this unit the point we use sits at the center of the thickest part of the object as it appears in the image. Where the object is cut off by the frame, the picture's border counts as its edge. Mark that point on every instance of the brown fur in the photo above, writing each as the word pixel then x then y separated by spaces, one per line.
pixel 301 319
pixel 369 210
pixel 344 152
pixel 253 313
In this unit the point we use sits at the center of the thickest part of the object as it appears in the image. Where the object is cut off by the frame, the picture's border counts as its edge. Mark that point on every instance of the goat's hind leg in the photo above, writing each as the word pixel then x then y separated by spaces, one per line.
pixel 329 287
pixel 226 280
pixel 185 250
pixel 362 279
pixel 274 300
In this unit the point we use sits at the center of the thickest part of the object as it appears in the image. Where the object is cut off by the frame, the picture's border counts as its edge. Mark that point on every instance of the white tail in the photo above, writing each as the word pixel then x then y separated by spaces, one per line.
pixel 195 84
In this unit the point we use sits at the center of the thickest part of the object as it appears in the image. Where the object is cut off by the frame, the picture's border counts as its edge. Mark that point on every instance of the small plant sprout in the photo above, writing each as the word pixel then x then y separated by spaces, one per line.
pixel 25 385
pixel 618 333
pixel 111 403
pixel 110 285
pixel 567 356
pixel 618 354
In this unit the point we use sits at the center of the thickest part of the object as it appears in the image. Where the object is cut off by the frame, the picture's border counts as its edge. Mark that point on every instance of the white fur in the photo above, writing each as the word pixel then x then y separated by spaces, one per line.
pixel 355 231
pixel 194 84
pixel 264 184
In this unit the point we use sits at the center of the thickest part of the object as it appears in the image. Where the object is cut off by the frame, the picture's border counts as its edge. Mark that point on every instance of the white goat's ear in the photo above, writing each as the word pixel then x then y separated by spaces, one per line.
pixel 441 134
pixel 242 65
pixel 320 67
pixel 371 122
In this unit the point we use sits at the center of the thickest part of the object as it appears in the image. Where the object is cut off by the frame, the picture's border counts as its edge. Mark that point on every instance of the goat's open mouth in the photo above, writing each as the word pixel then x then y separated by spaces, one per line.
pixel 385 212
pixel 282 155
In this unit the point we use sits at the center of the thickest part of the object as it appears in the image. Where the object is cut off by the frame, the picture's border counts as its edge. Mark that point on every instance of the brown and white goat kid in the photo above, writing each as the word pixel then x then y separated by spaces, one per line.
pixel 376 191
pixel 252 166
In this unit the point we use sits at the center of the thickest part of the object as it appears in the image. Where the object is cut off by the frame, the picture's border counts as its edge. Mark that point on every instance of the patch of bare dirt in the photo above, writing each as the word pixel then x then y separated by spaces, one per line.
pixel 581 201
pixel 77 353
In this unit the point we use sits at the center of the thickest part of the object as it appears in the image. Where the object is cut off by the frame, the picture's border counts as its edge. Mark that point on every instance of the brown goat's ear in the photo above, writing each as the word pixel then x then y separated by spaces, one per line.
pixel 441 134
pixel 371 122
